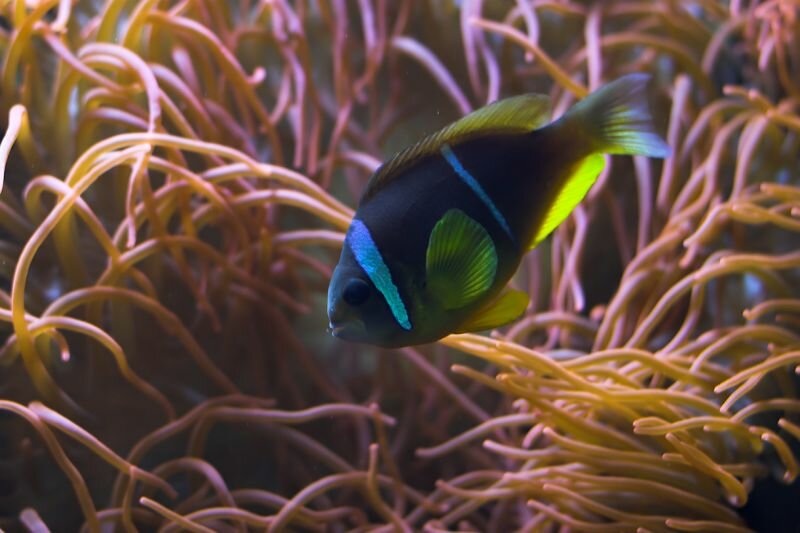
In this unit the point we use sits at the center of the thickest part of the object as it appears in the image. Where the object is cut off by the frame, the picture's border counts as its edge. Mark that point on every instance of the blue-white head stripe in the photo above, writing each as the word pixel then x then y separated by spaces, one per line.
pixel 369 258
pixel 473 184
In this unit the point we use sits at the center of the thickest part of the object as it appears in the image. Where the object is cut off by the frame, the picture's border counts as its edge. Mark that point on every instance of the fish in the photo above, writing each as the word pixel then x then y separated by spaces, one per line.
pixel 443 225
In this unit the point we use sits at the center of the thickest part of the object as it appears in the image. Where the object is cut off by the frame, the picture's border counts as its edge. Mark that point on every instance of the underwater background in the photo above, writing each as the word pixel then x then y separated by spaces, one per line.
pixel 178 175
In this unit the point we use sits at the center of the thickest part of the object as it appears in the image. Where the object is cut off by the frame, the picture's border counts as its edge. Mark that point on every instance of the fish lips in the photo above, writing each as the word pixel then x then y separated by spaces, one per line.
pixel 352 330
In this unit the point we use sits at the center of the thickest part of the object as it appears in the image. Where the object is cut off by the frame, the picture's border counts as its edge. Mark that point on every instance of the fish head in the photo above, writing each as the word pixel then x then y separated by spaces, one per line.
pixel 357 310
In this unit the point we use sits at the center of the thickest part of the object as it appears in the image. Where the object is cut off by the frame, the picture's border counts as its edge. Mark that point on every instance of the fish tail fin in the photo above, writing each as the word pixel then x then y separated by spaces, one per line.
pixel 616 119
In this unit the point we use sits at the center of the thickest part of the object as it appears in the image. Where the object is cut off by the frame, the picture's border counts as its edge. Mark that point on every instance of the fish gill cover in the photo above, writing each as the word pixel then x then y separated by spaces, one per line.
pixel 177 179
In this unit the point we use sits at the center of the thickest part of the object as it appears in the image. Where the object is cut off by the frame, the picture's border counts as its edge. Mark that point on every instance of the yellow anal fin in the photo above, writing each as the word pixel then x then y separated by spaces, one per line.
pixel 504 309
pixel 578 184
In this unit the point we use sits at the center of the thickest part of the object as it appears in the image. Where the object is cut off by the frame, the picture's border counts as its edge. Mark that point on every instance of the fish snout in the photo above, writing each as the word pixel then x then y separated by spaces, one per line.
pixel 343 325
pixel 337 319
pixel 334 329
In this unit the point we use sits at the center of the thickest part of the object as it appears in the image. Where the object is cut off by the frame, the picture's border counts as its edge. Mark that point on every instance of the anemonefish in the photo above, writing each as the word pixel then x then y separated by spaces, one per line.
pixel 443 225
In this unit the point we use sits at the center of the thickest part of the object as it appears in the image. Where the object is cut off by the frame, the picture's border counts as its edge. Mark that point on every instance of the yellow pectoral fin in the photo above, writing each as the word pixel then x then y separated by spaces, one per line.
pixel 461 260
pixel 504 309
pixel 578 184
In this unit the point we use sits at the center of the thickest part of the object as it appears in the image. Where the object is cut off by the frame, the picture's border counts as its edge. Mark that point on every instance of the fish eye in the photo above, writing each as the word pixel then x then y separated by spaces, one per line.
pixel 356 292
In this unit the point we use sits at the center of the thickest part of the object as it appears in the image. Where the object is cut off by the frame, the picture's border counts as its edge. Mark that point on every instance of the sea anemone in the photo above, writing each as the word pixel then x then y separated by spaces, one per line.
pixel 176 179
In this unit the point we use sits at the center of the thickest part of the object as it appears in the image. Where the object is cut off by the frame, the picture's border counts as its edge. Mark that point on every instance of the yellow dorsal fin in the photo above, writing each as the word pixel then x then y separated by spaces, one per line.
pixel 518 114
pixel 578 184
pixel 506 308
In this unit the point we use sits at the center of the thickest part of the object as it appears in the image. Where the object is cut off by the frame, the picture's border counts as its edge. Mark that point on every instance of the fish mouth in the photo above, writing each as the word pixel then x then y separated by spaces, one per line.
pixel 347 330
pixel 335 330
